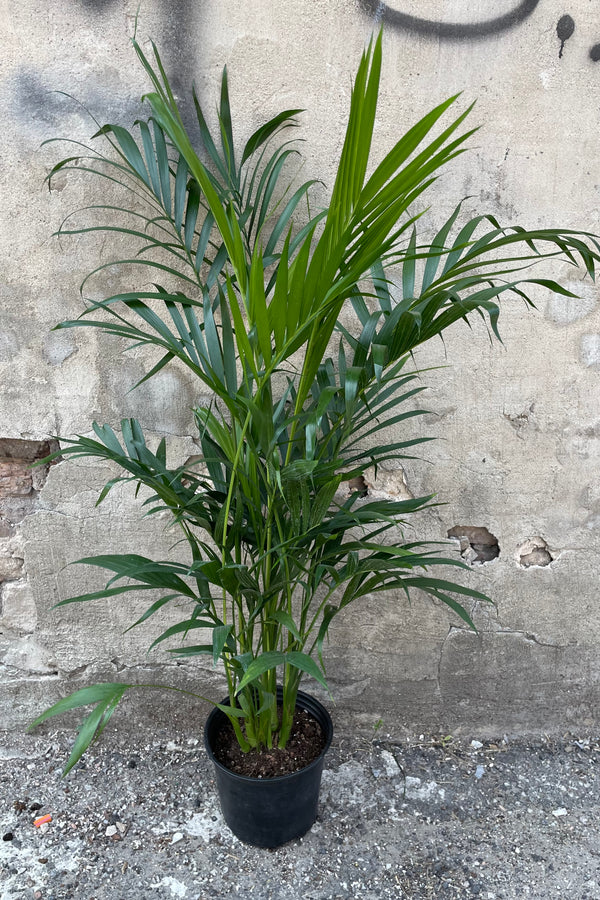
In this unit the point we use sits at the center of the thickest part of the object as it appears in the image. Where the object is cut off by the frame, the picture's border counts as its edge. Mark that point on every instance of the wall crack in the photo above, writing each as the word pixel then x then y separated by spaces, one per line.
pixel 533 639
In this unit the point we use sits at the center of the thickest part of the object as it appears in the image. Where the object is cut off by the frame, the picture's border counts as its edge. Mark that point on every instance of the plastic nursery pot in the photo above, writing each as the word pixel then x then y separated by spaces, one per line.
pixel 269 812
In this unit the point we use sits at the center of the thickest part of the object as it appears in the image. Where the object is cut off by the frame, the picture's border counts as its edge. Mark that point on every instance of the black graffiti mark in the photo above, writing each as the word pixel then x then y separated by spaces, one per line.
pixel 450 30
pixel 176 40
pixel 564 30
pixel 178 44
pixel 33 104
pixel 39 110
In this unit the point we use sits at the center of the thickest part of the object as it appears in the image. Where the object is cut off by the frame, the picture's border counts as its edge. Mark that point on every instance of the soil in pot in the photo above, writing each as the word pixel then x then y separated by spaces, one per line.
pixel 305 744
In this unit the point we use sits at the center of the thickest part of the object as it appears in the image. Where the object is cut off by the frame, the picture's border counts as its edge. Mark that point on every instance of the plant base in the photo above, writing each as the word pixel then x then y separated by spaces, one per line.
pixel 269 812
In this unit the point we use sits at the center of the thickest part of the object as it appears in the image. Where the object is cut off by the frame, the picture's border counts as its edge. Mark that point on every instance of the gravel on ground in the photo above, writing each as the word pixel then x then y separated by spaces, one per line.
pixel 428 817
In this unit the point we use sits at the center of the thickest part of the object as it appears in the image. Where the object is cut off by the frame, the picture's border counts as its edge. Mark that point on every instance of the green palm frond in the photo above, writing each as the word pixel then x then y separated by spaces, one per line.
pixel 302 325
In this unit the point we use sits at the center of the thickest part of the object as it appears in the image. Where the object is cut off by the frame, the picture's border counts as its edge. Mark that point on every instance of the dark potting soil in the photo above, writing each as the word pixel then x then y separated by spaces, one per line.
pixel 305 743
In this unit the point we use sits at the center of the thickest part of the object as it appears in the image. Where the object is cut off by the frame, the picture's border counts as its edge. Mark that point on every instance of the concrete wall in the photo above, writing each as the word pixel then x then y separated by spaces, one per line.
pixel 520 424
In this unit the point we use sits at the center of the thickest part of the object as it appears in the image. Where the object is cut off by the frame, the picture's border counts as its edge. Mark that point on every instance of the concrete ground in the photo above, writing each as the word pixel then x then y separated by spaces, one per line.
pixel 431 817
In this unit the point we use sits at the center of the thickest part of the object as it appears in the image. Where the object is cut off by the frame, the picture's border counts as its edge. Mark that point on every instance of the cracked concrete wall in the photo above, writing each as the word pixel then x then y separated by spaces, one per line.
pixel 520 424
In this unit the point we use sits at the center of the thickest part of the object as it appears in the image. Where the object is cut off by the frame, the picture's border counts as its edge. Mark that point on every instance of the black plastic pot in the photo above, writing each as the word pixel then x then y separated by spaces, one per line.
pixel 268 812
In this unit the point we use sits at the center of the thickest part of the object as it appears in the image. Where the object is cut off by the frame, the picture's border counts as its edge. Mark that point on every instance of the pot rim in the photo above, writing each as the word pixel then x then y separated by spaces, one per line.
pixel 326 726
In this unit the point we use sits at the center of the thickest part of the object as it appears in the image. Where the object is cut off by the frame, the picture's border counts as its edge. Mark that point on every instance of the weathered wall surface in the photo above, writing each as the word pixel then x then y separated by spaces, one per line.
pixel 520 424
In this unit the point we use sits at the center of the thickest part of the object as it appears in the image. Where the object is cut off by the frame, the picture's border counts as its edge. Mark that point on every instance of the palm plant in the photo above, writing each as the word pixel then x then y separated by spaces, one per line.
pixel 256 286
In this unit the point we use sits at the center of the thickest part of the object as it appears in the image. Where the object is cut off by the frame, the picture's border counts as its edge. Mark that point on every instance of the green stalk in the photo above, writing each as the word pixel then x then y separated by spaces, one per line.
pixel 228 503
pixel 291 683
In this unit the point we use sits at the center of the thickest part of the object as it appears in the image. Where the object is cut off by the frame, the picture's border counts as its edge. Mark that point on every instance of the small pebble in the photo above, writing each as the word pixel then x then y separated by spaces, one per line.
pixel 177 837
pixel 112 829
pixel 559 812
pixel 8 836
pixel 476 745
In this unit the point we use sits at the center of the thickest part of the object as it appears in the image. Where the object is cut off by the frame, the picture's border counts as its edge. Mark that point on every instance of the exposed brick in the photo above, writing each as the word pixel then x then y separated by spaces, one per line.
pixel 26 451
pixel 15 477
